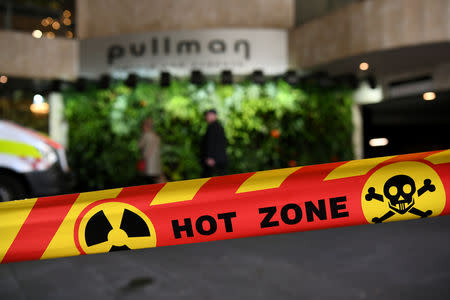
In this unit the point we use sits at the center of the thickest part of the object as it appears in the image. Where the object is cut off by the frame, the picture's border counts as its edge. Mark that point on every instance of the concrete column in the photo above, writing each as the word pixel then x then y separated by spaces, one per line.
pixel 357 136
pixel 58 127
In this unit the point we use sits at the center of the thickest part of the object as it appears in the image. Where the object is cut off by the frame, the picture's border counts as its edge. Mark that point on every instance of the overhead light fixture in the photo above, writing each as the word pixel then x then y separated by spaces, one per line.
pixel 41 109
pixel 3 79
pixel 81 84
pixel 429 96
pixel 197 77
pixel 226 77
pixel 131 80
pixel 56 25
pixel 38 99
pixel 364 66
pixel 67 21
pixel 50 35
pixel 378 142
pixel 323 79
pixel 291 77
pixel 258 77
pixel 165 79
pixel 39 106
pixel 104 82
pixel 37 34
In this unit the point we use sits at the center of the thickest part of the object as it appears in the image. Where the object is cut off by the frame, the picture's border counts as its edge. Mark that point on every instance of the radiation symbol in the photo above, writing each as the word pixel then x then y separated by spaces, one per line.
pixel 401 191
pixel 114 226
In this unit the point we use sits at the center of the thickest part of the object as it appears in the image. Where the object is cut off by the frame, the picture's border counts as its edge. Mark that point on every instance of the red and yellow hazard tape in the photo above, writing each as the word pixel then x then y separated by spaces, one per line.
pixel 375 190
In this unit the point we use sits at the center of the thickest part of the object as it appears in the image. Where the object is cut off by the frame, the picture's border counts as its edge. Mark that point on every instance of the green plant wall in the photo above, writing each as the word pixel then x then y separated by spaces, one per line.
pixel 268 126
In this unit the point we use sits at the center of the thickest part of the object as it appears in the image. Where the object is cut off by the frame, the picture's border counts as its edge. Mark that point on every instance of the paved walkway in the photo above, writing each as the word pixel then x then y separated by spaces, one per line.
pixel 405 260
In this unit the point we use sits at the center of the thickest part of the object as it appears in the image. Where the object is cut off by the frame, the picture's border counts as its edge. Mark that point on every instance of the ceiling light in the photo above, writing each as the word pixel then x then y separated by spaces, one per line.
pixel 104 82
pixel 258 77
pixel 37 34
pixel 56 25
pixel 41 108
pixel 364 66
pixel 197 77
pixel 165 79
pixel 378 142
pixel 291 77
pixel 131 80
pixel 428 96
pixel 50 35
pixel 226 77
pixel 38 99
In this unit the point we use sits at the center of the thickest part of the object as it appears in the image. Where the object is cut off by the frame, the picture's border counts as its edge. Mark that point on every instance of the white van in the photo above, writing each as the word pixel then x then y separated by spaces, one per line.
pixel 31 164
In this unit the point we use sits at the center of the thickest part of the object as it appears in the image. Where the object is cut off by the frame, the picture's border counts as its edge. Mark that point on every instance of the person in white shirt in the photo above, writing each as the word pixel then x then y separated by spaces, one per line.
pixel 150 146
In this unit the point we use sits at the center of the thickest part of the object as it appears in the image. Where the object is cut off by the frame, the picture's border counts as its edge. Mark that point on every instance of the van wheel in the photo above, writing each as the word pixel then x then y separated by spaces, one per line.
pixel 11 188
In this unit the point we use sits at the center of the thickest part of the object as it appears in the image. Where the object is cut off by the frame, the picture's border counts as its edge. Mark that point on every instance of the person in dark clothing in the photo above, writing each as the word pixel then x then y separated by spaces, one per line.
pixel 214 155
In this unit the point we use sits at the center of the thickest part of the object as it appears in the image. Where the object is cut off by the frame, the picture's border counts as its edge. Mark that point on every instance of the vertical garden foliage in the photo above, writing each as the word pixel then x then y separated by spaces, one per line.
pixel 268 126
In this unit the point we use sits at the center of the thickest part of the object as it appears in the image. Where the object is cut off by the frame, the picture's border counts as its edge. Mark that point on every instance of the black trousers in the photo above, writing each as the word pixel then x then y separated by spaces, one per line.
pixel 219 169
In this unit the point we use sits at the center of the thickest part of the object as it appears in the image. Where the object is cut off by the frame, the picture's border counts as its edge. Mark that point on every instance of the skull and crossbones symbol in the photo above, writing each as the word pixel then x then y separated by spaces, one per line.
pixel 399 191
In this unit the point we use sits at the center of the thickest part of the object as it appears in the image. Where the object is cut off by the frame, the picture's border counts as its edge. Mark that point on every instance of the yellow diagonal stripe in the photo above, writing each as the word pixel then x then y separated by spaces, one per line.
pixel 18 149
pixel 178 191
pixel 63 243
pixel 263 180
pixel 442 157
pixel 356 167
pixel 14 214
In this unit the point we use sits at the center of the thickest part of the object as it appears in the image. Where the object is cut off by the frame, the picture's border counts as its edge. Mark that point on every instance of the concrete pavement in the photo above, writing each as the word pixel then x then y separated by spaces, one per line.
pixel 404 260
